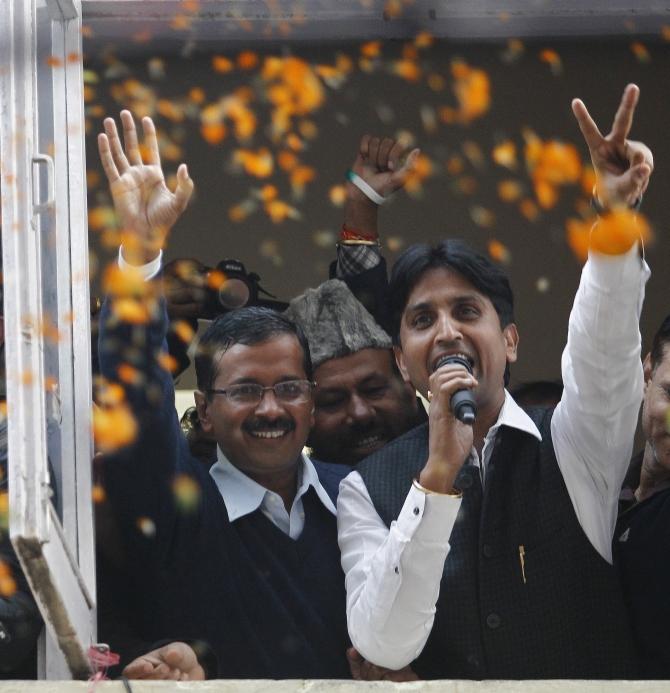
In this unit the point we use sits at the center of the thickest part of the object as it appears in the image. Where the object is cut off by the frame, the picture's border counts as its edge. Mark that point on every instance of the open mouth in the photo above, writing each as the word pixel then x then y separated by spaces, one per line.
pixel 441 360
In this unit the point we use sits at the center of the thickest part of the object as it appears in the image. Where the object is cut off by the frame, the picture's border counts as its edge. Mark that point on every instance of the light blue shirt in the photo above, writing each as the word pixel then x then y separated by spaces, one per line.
pixel 242 495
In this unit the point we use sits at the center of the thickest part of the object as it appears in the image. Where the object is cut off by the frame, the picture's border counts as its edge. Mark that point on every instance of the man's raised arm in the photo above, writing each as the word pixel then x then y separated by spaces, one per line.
pixel 594 424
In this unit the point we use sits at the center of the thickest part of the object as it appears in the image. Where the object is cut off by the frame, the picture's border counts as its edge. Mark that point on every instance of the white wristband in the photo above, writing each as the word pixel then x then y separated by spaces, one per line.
pixel 365 188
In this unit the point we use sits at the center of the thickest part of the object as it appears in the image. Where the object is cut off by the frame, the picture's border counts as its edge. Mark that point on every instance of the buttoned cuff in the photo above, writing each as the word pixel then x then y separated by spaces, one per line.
pixel 430 516
pixel 148 271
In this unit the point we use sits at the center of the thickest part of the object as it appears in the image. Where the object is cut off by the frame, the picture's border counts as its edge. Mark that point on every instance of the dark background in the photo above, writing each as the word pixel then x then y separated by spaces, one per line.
pixel 294 255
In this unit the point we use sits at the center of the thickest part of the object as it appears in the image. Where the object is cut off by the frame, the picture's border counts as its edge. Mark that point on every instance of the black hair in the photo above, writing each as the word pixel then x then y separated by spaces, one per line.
pixel 661 340
pixel 249 326
pixel 456 255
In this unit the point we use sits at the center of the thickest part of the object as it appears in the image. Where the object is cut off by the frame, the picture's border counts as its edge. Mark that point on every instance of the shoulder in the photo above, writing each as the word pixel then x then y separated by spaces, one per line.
pixel 329 470
pixel 330 476
pixel 655 509
pixel 409 447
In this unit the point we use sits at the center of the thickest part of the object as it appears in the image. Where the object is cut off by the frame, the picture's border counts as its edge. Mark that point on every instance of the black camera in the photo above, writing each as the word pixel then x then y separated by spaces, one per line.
pixel 229 286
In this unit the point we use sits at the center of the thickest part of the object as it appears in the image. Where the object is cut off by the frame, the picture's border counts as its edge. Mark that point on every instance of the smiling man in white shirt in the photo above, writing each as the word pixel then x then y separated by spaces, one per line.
pixel 484 551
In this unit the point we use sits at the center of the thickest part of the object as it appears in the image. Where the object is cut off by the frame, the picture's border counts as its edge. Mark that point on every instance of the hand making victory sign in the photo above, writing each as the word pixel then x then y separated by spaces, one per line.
pixel 623 167
pixel 145 205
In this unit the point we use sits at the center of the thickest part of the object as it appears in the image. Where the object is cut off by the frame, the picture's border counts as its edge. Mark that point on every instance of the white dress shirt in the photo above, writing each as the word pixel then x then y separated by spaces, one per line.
pixel 393 575
pixel 242 495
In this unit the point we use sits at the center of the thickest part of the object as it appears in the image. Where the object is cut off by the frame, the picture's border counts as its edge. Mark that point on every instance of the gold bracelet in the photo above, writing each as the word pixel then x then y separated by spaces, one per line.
pixel 454 493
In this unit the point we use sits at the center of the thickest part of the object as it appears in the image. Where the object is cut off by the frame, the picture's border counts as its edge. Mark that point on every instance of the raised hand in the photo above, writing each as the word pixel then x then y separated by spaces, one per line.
pixel 174 662
pixel 146 207
pixel 383 163
pixel 622 166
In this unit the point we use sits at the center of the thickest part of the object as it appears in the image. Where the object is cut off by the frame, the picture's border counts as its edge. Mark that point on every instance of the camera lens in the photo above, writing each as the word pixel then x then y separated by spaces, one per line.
pixel 234 293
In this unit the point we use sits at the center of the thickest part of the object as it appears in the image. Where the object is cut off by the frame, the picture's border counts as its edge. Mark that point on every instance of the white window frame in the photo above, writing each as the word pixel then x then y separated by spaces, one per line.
pixel 57 556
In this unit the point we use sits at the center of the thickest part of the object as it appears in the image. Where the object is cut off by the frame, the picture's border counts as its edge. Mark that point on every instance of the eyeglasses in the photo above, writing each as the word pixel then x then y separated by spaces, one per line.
pixel 289 391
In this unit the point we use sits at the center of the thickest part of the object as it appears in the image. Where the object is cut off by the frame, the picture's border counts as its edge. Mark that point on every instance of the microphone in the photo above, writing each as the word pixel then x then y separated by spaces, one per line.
pixel 462 401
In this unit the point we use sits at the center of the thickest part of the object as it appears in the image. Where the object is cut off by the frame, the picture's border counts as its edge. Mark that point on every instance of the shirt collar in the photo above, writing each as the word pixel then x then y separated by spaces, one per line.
pixel 511 415
pixel 242 495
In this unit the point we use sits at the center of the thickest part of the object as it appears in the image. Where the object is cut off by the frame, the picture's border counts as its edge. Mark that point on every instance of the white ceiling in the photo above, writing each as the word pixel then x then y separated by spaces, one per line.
pixel 234 21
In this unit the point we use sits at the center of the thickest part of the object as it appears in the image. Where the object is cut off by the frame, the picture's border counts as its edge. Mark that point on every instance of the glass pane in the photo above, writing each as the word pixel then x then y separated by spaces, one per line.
pixel 39 54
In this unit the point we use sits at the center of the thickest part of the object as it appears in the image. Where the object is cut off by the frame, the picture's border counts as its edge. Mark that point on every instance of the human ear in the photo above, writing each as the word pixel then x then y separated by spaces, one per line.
pixel 400 361
pixel 511 336
pixel 648 370
pixel 202 407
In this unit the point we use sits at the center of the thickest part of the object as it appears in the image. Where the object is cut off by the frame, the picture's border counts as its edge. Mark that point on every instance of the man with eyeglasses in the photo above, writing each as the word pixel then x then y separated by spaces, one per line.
pixel 257 576
pixel 240 565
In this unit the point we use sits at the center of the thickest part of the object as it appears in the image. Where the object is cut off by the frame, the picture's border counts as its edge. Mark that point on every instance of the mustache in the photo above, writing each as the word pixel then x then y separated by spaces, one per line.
pixel 357 429
pixel 260 424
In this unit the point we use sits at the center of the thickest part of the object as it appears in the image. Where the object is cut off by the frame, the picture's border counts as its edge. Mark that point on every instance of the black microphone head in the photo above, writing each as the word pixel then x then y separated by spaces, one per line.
pixel 455 359
pixel 462 401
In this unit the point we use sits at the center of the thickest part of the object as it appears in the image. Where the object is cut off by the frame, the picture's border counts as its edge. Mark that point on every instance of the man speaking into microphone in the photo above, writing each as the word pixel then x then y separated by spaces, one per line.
pixel 478 545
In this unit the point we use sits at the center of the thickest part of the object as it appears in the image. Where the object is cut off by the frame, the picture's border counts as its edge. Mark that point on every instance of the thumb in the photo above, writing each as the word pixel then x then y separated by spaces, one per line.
pixel 399 177
pixel 184 189
pixel 632 183
pixel 176 655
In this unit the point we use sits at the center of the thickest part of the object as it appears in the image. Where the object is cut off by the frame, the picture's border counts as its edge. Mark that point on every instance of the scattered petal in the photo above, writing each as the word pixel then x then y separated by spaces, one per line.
pixel 542 285
pixel 553 59
pixel 147 526
pixel 514 50
pixel 247 60
pixel 504 154
pixel 222 65
pixel 482 217
pixel 186 493
pixel 98 494
pixel 213 133
pixel 279 211
pixel 641 52
pixel 499 252
pixel 259 164
pixel 324 238
pixel 183 330
pixel 113 427
pixel 395 243
pixel 337 195
pixel 372 49
pixel 510 190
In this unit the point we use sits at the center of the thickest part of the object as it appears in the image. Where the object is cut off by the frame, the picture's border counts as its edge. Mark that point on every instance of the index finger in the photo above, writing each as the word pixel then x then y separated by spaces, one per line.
pixel 623 120
pixel 106 158
pixel 586 124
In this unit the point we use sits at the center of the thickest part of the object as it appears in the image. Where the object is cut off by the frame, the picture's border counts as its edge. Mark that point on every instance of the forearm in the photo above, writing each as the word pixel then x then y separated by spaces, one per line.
pixel 594 424
pixel 138 477
pixel 392 576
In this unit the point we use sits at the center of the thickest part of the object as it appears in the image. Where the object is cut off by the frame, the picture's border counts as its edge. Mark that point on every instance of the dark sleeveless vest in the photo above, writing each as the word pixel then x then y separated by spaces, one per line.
pixel 524 594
